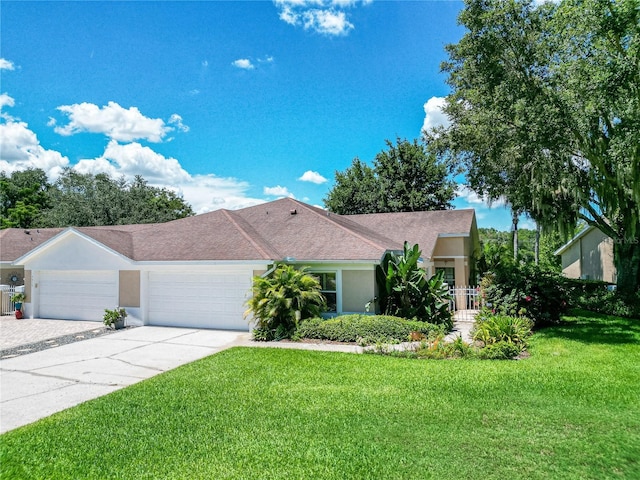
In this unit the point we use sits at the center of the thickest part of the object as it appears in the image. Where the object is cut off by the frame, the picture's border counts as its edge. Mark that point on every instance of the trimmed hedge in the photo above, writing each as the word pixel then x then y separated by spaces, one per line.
pixel 365 329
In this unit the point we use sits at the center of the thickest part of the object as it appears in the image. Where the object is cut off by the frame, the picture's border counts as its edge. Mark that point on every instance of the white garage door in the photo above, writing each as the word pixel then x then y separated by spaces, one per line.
pixel 200 300
pixel 77 295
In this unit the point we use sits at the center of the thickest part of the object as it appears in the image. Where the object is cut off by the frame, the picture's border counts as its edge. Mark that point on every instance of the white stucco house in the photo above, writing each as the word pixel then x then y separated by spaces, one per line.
pixel 198 271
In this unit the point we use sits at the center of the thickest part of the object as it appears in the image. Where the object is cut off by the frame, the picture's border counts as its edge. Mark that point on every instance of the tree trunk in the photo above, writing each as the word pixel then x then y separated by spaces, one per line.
pixel 626 256
pixel 515 235
pixel 536 247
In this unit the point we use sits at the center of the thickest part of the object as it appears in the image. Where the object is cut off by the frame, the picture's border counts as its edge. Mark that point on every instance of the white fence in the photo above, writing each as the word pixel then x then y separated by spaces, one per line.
pixel 465 302
pixel 7 307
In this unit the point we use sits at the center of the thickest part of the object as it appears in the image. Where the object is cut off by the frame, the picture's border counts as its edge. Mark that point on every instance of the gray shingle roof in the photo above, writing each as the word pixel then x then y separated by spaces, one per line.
pixel 270 231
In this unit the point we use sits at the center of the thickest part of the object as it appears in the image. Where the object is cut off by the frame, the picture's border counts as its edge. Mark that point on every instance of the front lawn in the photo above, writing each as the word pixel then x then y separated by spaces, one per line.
pixel 572 410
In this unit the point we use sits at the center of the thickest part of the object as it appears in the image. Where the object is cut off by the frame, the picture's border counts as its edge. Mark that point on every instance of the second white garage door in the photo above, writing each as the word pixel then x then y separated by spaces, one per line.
pixel 200 300
pixel 77 295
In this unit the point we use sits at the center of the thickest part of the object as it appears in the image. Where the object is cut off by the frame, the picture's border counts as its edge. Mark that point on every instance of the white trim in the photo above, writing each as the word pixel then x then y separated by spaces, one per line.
pixel 331 262
pixel 188 263
pixel 447 257
pixel 571 242
pixel 453 235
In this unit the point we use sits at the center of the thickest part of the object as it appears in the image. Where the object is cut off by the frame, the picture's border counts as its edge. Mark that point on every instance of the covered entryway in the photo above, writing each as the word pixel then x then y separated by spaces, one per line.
pixel 77 295
pixel 199 300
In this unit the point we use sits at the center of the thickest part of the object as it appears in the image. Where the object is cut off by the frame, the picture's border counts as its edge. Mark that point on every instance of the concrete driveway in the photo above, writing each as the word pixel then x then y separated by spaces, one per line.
pixel 39 384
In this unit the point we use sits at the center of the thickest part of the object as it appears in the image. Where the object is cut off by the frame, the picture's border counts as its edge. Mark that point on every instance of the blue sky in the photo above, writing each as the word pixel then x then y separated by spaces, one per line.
pixel 230 103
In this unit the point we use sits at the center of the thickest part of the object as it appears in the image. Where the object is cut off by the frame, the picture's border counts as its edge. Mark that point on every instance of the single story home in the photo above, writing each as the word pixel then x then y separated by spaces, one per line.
pixel 589 256
pixel 197 271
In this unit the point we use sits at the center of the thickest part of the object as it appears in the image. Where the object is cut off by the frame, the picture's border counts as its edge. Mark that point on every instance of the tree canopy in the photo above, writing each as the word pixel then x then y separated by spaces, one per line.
pixel 28 200
pixel 545 112
pixel 404 178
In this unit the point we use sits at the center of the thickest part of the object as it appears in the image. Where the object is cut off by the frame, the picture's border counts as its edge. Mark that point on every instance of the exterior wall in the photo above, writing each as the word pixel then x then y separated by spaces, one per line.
pixel 129 288
pixel 27 284
pixel 358 288
pixel 590 257
pixel 355 285
pixel 7 270
pixel 457 253
pixel 571 261
pixel 449 247
pixel 597 256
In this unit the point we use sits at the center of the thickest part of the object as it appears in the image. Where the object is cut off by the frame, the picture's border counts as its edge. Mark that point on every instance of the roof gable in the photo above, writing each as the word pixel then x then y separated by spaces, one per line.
pixel 72 248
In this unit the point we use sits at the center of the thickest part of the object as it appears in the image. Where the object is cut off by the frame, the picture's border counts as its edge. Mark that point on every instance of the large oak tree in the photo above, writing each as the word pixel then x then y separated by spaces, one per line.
pixel 545 112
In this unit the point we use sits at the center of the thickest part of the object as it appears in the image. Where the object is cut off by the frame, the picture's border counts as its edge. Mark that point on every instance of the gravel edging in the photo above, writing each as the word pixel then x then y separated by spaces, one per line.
pixel 58 341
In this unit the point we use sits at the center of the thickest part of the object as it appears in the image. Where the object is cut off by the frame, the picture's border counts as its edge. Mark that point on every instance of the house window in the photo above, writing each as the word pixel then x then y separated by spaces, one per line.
pixel 328 288
pixel 449 275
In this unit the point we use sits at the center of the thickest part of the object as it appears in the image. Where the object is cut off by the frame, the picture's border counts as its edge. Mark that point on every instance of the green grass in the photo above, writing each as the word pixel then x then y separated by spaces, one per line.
pixel 571 411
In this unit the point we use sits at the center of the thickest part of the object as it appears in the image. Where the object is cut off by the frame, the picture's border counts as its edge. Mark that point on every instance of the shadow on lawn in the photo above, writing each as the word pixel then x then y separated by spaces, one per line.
pixel 590 327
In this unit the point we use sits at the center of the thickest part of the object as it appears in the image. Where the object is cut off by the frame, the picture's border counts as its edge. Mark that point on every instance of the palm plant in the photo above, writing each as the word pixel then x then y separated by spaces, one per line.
pixel 406 292
pixel 282 299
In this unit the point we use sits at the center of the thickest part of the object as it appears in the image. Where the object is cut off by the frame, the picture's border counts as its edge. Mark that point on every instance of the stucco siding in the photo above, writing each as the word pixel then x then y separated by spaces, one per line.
pixel 358 288
pixel 571 261
pixel 450 247
pixel 7 271
pixel 590 257
pixel 129 288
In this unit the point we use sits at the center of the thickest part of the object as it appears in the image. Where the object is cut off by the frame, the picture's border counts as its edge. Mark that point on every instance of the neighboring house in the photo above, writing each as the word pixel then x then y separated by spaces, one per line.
pixel 589 255
pixel 197 271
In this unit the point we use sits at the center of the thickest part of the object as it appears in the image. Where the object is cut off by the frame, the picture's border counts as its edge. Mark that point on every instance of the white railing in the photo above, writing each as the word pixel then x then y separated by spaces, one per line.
pixel 465 298
pixel 7 307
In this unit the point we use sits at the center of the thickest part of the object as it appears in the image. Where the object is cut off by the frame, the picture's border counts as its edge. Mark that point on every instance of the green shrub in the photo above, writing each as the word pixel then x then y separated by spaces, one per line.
pixel 365 329
pixel 405 290
pixel 490 329
pixel 596 296
pixel 500 351
pixel 439 350
pixel 526 290
pixel 281 299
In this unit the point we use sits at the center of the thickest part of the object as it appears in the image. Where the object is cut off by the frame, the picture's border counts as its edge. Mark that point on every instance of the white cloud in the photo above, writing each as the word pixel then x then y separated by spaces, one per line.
pixel 472 198
pixel 6 64
pixel 20 148
pixel 134 159
pixel 434 116
pixel 329 22
pixel 313 177
pixel 243 63
pixel 327 17
pixel 278 191
pixel 176 120
pixel 203 192
pixel 210 192
pixel 116 122
pixel 6 101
